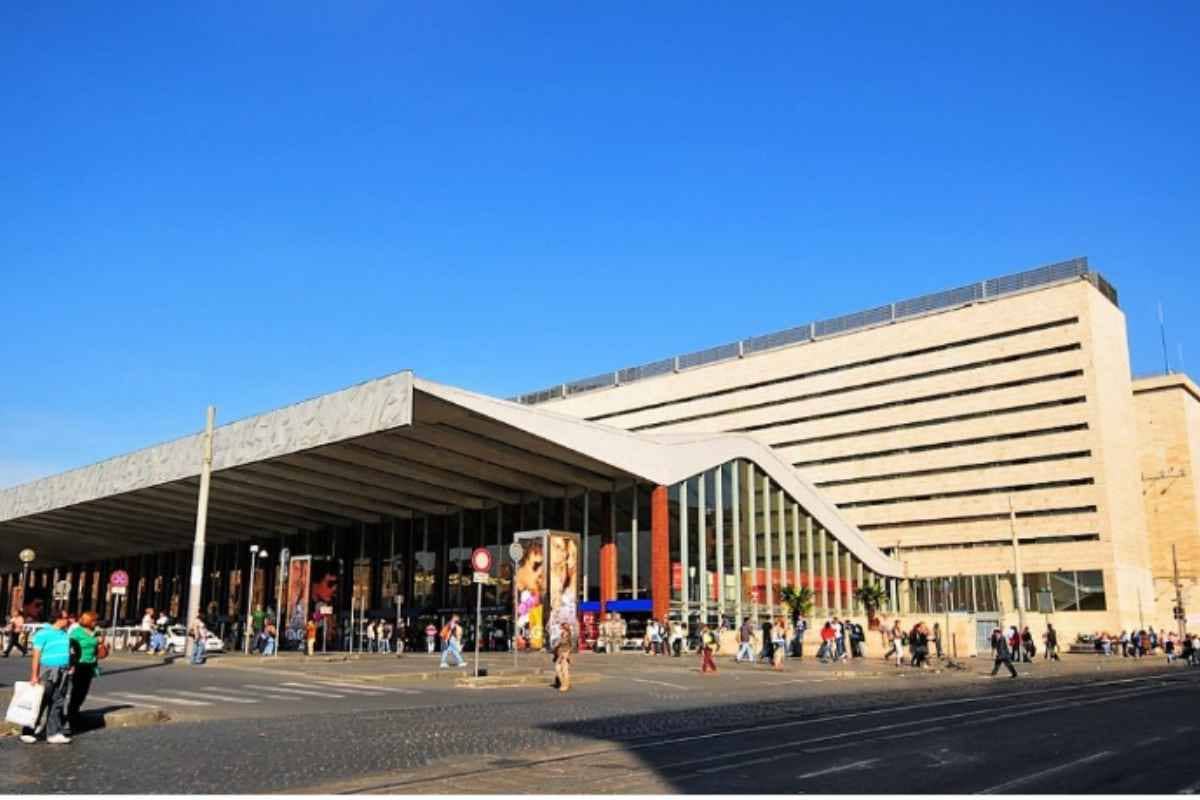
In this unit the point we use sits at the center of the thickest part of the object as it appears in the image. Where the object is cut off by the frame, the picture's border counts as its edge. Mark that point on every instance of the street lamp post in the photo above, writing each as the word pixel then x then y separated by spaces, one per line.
pixel 254 555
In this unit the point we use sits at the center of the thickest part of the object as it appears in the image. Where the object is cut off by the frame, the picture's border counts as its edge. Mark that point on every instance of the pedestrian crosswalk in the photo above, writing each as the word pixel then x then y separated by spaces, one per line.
pixel 249 694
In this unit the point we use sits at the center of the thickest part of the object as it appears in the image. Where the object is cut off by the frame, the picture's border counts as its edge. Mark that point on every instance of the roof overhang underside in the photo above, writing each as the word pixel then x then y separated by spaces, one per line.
pixel 395 446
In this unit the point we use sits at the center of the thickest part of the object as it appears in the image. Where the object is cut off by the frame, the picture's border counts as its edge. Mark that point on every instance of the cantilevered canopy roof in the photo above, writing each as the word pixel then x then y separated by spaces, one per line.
pixel 394 446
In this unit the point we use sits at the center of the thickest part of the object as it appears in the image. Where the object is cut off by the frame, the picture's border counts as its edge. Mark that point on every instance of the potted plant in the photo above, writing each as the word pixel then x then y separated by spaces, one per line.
pixel 872 596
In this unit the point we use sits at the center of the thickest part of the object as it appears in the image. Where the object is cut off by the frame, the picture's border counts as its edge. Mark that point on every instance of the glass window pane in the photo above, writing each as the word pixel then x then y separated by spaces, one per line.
pixel 1062 586
pixel 1091 590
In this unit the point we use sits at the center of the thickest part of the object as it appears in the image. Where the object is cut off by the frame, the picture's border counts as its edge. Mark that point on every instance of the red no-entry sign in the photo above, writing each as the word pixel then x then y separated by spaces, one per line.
pixel 481 559
pixel 119 578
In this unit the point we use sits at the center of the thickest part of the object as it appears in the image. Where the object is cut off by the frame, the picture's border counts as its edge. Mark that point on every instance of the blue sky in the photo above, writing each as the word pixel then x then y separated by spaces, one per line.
pixel 250 204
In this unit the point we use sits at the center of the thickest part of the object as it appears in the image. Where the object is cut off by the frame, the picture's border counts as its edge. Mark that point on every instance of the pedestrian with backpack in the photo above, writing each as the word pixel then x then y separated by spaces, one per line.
pixel 452 642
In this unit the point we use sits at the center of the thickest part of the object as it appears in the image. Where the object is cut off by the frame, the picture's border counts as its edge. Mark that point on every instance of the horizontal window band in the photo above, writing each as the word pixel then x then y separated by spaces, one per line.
pixel 842 367
pixel 981 465
pixel 929 398
pixel 1053 539
pixel 927 423
pixel 915 523
pixel 1023 487
pixel 925 448
pixel 876 384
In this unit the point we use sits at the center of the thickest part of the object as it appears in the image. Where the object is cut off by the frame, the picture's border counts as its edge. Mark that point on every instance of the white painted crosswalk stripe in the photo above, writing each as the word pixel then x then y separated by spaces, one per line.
pixel 255 694
pixel 342 687
pixel 305 692
pixel 155 699
pixel 212 696
pixel 365 688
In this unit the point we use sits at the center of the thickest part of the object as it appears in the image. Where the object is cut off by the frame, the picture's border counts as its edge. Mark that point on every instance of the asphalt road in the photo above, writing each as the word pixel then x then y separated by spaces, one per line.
pixel 638 725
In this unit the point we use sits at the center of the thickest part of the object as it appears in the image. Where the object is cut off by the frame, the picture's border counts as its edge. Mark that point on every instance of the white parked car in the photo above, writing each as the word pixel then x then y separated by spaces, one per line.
pixel 177 641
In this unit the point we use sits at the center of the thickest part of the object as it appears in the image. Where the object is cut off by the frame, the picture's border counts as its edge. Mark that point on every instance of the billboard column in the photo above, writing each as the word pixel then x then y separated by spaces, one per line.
pixel 660 553
pixel 193 606
pixel 608 556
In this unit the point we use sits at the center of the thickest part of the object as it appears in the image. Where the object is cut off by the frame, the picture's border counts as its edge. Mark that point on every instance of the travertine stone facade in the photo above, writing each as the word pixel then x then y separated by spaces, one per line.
pixel 923 430
pixel 1168 430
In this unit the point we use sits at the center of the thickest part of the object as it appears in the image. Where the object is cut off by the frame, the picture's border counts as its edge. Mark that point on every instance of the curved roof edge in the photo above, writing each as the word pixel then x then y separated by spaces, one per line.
pixel 668 459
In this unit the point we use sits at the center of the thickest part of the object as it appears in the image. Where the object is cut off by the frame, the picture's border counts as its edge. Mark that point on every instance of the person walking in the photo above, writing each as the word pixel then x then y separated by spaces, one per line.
pixel 310 637
pixel 431 633
pixel 745 642
pixel 896 643
pixel 199 634
pixel 620 629
pixel 452 642
pixel 1028 648
pixel 1051 637
pixel 563 651
pixel 86 651
pixel 767 653
pixel 272 638
pixel 708 646
pixel 16 633
pixel 919 639
pixel 798 637
pixel 778 644
pixel 1002 653
pixel 51 668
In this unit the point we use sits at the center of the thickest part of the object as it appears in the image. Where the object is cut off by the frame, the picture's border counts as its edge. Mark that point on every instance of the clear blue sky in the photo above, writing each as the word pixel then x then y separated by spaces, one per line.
pixel 253 203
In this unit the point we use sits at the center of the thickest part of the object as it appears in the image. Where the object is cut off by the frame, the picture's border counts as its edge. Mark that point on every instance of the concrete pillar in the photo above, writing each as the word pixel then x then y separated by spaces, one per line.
pixel 752 524
pixel 660 553
pixel 767 560
pixel 684 588
pixel 719 516
pixel 837 577
pixel 824 573
pixel 808 542
pixel 735 490
pixel 702 547
pixel 608 557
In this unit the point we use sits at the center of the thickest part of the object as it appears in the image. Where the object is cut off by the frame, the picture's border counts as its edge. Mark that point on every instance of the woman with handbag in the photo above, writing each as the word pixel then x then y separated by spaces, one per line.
pixel 87 648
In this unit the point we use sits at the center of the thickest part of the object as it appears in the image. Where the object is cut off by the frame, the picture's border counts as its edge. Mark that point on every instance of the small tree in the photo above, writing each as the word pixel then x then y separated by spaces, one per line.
pixel 872 596
pixel 798 600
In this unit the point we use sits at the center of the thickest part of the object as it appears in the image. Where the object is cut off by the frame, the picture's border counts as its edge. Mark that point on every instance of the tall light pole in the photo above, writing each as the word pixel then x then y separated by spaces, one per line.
pixel 197 577
pixel 27 556
pixel 255 553
pixel 1180 614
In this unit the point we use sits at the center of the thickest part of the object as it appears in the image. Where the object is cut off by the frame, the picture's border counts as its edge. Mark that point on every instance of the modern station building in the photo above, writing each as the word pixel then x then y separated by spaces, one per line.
pixel 928 446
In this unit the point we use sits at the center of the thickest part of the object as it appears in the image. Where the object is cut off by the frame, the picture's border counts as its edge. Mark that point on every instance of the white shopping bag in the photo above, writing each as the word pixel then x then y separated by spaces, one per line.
pixel 26 704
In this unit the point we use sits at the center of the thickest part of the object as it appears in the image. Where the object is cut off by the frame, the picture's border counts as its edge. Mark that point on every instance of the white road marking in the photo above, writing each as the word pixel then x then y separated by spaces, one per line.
pixel 1151 740
pixel 391 689
pixel 1003 787
pixel 209 695
pixel 839 768
pixel 292 691
pixel 327 687
pixel 154 698
pixel 256 695
pixel 660 683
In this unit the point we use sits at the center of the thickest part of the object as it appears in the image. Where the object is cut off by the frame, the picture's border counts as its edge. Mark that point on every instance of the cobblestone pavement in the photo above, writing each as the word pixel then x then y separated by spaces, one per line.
pixel 366 739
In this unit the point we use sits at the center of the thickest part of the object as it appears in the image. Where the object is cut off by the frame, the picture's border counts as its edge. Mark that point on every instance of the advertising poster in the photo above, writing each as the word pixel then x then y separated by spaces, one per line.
pixel 323 594
pixel 564 585
pixel 528 594
pixel 299 569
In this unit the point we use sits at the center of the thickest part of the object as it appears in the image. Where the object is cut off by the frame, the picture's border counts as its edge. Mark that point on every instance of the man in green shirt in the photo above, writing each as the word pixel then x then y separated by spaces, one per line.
pixel 257 620
pixel 85 649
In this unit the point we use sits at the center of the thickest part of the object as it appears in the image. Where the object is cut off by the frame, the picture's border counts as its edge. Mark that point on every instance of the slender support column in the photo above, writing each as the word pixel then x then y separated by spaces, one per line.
pixel 848 570
pixel 193 607
pixel 859 567
pixel 702 547
pixel 808 543
pixel 608 558
pixel 824 573
pixel 684 588
pixel 660 553
pixel 719 514
pixel 633 542
pixel 770 563
pixel 837 577
pixel 796 544
pixel 752 523
pixel 781 508
pixel 587 552
pixel 735 490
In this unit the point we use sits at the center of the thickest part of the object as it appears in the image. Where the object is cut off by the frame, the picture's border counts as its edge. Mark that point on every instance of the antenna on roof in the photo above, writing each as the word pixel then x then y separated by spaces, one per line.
pixel 1162 332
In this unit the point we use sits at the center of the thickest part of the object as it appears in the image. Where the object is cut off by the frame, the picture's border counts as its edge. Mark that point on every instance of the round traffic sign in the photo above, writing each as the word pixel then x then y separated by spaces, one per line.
pixel 62 590
pixel 481 559
pixel 119 578
pixel 515 551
